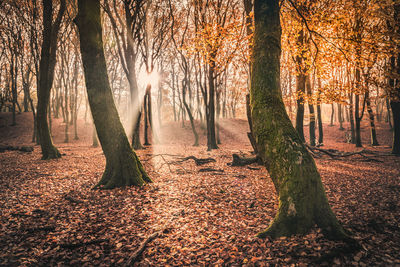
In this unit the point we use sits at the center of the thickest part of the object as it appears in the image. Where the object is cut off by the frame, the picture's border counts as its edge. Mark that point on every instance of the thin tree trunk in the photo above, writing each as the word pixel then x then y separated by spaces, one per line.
pixel 46 72
pixel 311 111
pixel 146 119
pixel 351 116
pixel 196 136
pixel 374 140
pixel 358 121
pixel 211 136
pixel 300 90
pixel 388 114
pixel 340 116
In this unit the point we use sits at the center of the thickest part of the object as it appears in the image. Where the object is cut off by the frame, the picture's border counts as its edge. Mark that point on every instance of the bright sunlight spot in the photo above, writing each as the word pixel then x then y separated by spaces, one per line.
pixel 148 78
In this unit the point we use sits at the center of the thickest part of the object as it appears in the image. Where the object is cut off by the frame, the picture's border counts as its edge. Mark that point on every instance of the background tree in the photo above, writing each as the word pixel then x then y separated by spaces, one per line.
pixel 46 72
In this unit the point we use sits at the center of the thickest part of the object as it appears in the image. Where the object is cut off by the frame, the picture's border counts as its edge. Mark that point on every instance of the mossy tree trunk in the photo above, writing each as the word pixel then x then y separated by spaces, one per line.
pixel 302 199
pixel 46 75
pixel 395 99
pixel 123 167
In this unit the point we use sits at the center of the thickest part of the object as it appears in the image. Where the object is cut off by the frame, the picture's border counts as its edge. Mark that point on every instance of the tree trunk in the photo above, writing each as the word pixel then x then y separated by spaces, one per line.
pixel 189 112
pixel 66 97
pixel 395 99
pixel 340 116
pixel 14 69
pixel 300 89
pixel 388 114
pixel 311 112
pixel 217 117
pixel 351 118
pixel 358 121
pixel 250 134
pixel 95 139
pixel 146 117
pixel 300 85
pixel 374 139
pixel 123 167
pixel 211 136
pixel 395 106
pixel 302 199
pixel 46 72
pixel 332 114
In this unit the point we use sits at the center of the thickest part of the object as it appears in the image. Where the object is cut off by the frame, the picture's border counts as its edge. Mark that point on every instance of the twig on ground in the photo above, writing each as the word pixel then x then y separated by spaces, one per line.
pixel 136 255
pixel 73 200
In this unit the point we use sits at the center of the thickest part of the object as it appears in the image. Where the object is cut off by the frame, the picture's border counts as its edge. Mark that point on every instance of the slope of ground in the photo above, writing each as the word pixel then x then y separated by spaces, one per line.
pixel 50 215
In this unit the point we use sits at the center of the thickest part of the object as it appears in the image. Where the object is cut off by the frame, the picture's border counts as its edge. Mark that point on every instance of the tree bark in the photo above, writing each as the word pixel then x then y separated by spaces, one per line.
pixel 395 100
pixel 340 116
pixel 123 167
pixel 46 73
pixel 311 112
pixel 300 89
pixel 302 199
pixel 300 86
pixel 189 112
pixel 211 136
pixel 351 118
pixel 374 139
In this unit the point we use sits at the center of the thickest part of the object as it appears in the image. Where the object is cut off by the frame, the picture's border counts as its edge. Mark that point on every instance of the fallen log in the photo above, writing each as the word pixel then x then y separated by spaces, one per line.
pixel 198 161
pixel 210 170
pixel 16 148
pixel 243 161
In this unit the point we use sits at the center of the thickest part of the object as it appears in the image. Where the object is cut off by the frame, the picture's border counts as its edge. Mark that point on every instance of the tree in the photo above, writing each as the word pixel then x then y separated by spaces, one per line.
pixel 123 167
pixel 127 38
pixel 46 75
pixel 395 90
pixel 302 199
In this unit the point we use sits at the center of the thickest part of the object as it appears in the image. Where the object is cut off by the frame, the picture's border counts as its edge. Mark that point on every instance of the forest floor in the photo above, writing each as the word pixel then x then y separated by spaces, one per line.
pixel 50 215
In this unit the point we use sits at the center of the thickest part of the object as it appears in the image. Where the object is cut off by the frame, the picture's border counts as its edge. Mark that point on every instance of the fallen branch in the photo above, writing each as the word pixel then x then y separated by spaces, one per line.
pixel 16 148
pixel 198 161
pixel 210 170
pixel 340 154
pixel 253 168
pixel 81 244
pixel 243 161
pixel 371 159
pixel 136 255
